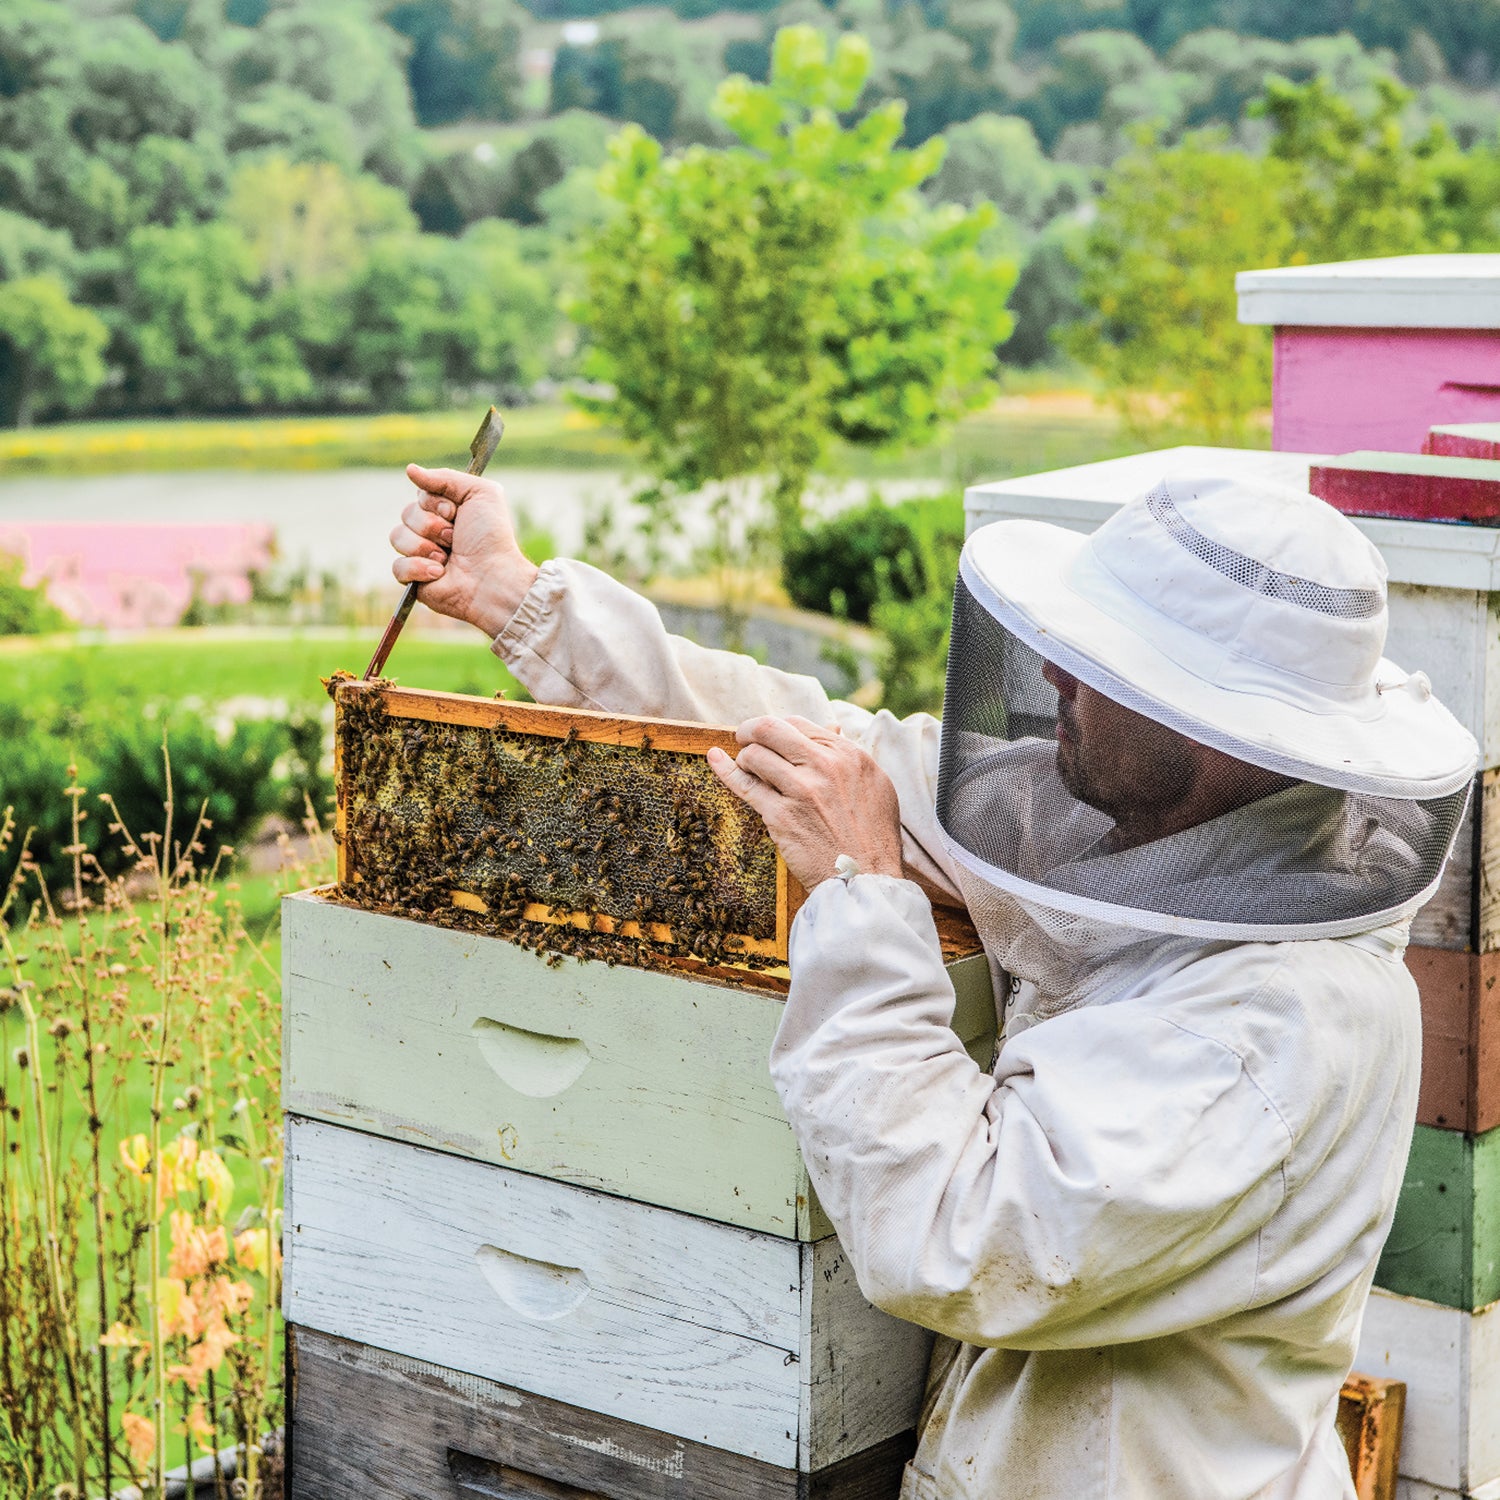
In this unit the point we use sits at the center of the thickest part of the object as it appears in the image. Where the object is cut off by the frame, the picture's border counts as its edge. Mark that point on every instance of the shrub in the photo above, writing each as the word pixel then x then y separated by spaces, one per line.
pixel 25 611
pixel 845 565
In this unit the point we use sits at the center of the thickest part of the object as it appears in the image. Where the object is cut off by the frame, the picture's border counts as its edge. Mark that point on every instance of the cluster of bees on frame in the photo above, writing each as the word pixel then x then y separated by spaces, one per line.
pixel 646 839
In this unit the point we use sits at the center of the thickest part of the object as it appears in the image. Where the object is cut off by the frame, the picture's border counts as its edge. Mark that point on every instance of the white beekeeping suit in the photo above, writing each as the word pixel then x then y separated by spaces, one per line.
pixel 1147 1235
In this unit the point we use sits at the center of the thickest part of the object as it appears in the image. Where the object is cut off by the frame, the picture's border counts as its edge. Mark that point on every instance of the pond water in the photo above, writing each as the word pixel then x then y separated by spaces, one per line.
pixel 332 521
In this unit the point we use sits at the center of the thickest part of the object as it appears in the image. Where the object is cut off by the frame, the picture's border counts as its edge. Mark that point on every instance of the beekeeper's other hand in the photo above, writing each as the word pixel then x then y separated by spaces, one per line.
pixel 820 796
pixel 457 541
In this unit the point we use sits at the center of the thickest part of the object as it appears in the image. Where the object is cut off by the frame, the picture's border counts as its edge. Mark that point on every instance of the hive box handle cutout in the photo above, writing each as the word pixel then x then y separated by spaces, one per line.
pixel 532 1289
pixel 531 1062
pixel 483 1476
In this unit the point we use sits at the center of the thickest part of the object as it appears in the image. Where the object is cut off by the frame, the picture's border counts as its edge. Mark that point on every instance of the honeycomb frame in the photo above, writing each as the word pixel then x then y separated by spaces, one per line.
pixel 633 746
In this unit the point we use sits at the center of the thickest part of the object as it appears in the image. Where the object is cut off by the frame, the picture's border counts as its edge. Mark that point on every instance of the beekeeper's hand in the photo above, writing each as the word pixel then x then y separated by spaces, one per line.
pixel 457 541
pixel 820 795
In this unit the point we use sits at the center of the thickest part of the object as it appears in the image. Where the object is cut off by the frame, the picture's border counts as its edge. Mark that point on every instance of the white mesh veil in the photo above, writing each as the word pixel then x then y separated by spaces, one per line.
pixel 1290 855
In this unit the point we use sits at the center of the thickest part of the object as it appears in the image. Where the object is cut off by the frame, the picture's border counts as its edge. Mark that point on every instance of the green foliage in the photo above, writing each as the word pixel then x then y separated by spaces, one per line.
pixel 1364 183
pixel 1158 282
pixel 653 73
pixel 914 610
pixel 1343 179
pixel 432 321
pixel 748 303
pixel 998 159
pixel 236 773
pixel 194 335
pixel 1046 297
pixel 23 610
pixel 331 56
pixel 50 349
pixel 464 60
pixel 847 564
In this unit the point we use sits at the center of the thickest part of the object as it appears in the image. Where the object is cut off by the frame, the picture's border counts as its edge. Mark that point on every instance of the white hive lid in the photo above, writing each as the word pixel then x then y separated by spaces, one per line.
pixel 1400 291
pixel 1433 554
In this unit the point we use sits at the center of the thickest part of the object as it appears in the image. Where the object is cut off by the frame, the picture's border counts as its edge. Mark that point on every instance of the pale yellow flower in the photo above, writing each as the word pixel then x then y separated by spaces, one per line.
pixel 140 1435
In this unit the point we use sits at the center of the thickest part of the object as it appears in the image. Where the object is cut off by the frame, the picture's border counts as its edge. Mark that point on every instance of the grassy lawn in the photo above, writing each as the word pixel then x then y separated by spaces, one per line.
pixel 213 666
pixel 535 437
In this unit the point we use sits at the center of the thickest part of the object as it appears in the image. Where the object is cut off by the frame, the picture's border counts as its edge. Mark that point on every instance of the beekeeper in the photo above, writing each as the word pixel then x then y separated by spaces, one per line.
pixel 1191 810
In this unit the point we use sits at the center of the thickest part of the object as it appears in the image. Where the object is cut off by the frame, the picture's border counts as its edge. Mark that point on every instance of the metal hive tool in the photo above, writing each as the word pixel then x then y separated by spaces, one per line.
pixel 598 835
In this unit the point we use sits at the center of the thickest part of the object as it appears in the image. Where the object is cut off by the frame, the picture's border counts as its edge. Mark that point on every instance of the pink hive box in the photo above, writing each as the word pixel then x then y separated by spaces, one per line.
pixel 137 575
pixel 1414 486
pixel 1371 354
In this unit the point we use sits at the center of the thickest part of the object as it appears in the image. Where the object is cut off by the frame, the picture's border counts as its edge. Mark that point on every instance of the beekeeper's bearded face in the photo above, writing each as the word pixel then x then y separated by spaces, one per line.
pixel 1117 760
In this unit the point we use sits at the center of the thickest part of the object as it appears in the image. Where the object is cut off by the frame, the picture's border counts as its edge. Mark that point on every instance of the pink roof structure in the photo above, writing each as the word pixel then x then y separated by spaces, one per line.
pixel 135 576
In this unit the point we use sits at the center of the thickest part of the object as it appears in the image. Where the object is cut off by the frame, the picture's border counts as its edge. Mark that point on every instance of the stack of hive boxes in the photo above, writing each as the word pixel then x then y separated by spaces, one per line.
pixel 1434 1318
pixel 549 1234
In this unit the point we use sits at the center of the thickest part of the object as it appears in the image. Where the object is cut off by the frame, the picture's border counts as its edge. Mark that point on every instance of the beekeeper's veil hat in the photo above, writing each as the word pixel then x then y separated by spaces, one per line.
pixel 1248 618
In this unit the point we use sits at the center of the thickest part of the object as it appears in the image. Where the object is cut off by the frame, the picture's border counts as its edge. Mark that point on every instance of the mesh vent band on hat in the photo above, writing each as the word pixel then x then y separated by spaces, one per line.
pixel 1346 604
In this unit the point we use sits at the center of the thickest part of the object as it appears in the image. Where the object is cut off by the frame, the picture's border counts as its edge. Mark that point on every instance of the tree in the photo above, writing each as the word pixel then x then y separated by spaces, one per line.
pixel 1158 282
pixel 51 350
pixel 998 159
pixel 464 60
pixel 1362 182
pixel 746 304
pixel 333 55
pixel 1343 179
pixel 194 333
pixel 102 126
pixel 434 320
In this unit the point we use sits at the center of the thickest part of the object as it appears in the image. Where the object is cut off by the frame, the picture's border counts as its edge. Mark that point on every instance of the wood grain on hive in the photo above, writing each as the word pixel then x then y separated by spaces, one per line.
pixel 745 1342
pixel 512 813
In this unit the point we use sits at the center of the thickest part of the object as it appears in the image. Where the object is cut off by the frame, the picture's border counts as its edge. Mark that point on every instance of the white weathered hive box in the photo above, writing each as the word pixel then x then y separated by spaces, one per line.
pixel 750 1343
pixel 648 1085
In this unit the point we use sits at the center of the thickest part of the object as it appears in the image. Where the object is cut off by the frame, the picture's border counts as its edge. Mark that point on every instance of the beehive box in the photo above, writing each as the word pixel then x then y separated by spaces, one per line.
pixel 512 818
pixel 619 1078
pixel 755 1345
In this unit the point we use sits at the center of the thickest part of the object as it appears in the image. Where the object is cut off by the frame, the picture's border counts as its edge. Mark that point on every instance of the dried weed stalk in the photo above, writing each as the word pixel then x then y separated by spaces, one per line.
pixel 140 1167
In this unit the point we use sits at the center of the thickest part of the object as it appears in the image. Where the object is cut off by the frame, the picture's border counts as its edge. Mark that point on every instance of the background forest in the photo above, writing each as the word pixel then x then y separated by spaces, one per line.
pixel 231 206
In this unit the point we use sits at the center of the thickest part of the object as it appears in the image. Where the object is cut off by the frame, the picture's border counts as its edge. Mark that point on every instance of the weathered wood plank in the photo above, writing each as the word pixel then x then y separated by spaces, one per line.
pixel 841 1334
pixel 1449 1360
pixel 650 1316
pixel 1460 995
pixel 1487 868
pixel 651 1086
pixel 370 1423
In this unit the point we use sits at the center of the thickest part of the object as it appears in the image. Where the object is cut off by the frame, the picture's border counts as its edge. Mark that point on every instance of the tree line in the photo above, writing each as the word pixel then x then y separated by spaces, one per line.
pixel 245 205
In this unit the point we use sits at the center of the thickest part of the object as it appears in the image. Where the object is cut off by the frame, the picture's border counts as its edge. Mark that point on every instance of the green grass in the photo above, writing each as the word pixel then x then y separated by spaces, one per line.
pixel 213 666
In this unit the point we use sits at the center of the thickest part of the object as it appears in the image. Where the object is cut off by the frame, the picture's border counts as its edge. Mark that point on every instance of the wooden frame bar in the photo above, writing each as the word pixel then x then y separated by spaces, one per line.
pixel 1370 1412
pixel 569 724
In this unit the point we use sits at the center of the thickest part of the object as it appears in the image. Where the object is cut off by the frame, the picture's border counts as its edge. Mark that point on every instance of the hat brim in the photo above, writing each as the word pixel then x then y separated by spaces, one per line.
pixel 1399 744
